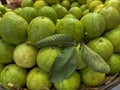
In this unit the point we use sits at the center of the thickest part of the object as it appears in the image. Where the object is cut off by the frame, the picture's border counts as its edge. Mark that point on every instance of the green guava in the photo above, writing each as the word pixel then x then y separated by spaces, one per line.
pixel 113 37
pixel 37 79
pixel 93 24
pixel 26 3
pixel 70 26
pixel 111 16
pixel 49 12
pixel 61 10
pixel 6 52
pixel 25 55
pixel 13 28
pixel 114 63
pixel 39 28
pixel 46 56
pixel 102 46
pixel 71 83
pixel 1 68
pixel 91 78
pixel 13 74
pixel 28 13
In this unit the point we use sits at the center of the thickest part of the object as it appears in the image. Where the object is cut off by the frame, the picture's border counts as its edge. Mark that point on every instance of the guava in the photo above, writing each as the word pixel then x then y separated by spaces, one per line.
pixel 39 4
pixel 13 28
pixel 1 68
pixel 66 4
pixel 81 2
pixel 69 15
pixel 28 13
pixel 46 56
pixel 83 7
pixel 13 74
pixel 71 1
pixel 70 26
pixel 86 12
pixel 75 4
pixel 26 3
pixel 76 11
pixel 71 83
pixel 37 79
pixel 92 78
pixel 25 55
pixel 114 63
pixel 111 16
pixel 39 28
pixel 94 4
pixel 6 52
pixel 113 3
pixel 102 46
pixel 113 37
pixel 51 2
pixel 2 8
pixel 49 12
pixel 61 10
pixel 93 24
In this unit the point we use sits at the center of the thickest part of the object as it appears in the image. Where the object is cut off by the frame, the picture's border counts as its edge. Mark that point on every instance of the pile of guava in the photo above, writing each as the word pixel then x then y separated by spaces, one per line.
pixel 59 44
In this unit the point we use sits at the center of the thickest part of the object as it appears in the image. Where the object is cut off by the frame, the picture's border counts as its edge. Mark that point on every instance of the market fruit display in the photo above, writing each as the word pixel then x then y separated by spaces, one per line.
pixel 59 44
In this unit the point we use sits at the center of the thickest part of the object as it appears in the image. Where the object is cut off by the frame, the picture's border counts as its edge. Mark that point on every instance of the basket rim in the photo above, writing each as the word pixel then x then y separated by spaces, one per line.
pixel 109 86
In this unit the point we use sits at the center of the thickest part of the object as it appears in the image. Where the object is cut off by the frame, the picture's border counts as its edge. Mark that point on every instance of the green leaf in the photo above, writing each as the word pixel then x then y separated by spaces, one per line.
pixel 56 39
pixel 93 60
pixel 64 65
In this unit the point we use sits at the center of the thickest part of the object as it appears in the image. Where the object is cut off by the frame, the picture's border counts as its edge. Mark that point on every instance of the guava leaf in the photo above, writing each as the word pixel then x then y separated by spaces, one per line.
pixel 57 39
pixel 93 60
pixel 64 65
